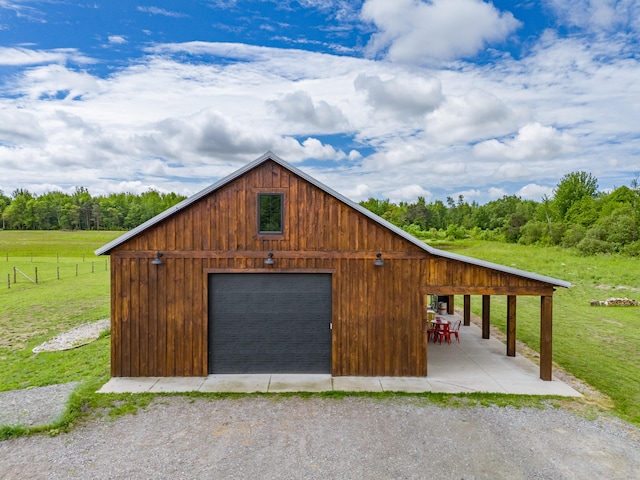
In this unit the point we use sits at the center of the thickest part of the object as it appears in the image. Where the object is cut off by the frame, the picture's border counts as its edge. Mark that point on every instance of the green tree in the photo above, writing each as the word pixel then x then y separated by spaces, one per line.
pixel 19 214
pixel 4 203
pixel 573 187
pixel 379 207
pixel 418 214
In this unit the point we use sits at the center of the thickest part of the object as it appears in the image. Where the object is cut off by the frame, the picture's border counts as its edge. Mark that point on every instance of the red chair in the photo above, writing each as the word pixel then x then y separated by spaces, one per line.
pixel 431 332
pixel 455 330
pixel 443 331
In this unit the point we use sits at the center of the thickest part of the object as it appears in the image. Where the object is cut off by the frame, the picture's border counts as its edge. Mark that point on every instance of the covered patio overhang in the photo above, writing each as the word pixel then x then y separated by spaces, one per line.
pixel 545 292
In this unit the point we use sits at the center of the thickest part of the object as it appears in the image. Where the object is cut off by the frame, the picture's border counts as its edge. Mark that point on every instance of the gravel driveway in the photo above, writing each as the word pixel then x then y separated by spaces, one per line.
pixel 353 437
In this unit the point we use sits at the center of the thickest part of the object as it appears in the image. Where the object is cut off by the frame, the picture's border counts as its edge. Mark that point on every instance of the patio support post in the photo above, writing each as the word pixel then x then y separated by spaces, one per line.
pixel 511 325
pixel 546 317
pixel 450 305
pixel 486 315
pixel 467 310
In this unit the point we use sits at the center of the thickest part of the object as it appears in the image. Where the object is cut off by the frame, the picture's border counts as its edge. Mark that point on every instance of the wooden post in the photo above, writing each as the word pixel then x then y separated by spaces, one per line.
pixel 9 280
pixel 15 277
pixel 511 325
pixel 546 322
pixel 36 268
pixel 486 315
pixel 467 310
pixel 76 269
pixel 58 272
pixel 450 305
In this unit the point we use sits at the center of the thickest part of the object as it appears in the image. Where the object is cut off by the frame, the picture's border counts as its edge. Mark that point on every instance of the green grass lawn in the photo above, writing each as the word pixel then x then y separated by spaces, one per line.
pixel 33 313
pixel 599 345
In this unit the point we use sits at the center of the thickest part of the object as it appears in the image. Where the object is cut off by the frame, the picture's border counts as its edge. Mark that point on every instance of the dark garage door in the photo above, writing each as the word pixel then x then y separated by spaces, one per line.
pixel 269 323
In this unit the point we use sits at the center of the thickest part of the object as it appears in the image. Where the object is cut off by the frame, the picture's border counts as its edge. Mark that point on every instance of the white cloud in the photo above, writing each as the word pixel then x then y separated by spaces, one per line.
pixel 314 148
pixel 468 195
pixel 403 94
pixel 204 119
pixel 298 107
pixel 476 116
pixel 359 192
pixel 57 81
pixel 422 31
pixel 19 127
pixel 533 142
pixel 598 15
pixel 117 39
pixel 532 191
pixel 25 56
pixel 162 11
pixel 495 193
pixel 408 193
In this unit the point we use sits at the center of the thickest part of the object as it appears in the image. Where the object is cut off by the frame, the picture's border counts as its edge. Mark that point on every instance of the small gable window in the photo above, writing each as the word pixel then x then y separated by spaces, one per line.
pixel 270 212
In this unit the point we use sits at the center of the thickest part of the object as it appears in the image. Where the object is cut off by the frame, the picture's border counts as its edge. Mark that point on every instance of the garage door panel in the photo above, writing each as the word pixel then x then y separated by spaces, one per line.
pixel 269 323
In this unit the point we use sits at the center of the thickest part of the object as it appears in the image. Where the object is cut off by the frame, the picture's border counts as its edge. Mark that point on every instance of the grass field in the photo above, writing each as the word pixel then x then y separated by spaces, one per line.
pixel 599 345
pixel 31 314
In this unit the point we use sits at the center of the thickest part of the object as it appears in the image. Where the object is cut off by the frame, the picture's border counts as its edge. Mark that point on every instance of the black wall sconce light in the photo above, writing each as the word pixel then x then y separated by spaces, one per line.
pixel 378 262
pixel 269 260
pixel 158 259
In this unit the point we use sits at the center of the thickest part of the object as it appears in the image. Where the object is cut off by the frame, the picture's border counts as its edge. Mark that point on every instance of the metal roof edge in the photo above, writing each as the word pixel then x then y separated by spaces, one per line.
pixel 414 240
pixel 183 204
pixel 271 156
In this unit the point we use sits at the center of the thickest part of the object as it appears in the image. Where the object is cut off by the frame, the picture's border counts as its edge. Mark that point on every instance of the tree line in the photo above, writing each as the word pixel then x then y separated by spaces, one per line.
pixel 81 211
pixel 576 215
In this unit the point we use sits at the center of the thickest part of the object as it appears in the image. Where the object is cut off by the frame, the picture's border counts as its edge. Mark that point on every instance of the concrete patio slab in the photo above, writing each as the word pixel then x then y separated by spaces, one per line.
pixel 281 383
pixel 178 384
pixel 357 384
pixel 472 365
pixel 405 384
pixel 237 383
pixel 129 384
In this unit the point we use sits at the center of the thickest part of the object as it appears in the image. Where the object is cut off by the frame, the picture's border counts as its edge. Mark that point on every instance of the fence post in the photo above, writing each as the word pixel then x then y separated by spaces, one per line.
pixel 76 269
pixel 8 280
pixel 36 268
pixel 15 276
pixel 58 272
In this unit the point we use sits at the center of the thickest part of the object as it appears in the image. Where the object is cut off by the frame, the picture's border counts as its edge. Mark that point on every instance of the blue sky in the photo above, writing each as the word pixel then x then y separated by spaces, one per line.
pixel 374 98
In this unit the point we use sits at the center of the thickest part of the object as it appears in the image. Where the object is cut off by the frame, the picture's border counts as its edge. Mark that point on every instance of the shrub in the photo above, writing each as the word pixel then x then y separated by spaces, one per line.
pixel 455 232
pixel 532 232
pixel 556 233
pixel 621 229
pixel 593 246
pixel 573 236
pixel 631 249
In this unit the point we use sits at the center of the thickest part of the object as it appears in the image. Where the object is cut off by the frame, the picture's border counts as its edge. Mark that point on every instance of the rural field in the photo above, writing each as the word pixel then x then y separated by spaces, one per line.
pixel 598 345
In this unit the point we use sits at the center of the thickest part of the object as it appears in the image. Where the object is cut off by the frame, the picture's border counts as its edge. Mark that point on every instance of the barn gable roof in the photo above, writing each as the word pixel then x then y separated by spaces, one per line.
pixel 270 156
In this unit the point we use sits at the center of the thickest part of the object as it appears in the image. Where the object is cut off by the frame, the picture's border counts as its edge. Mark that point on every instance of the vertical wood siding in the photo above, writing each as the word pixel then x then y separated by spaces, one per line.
pixel 159 313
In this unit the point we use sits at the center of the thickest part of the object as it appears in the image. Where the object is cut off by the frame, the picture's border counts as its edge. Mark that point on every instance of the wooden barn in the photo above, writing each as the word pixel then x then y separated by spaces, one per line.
pixel 270 271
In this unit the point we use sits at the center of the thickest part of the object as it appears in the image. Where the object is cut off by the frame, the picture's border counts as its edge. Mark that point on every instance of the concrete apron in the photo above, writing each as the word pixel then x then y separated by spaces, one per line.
pixel 472 365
